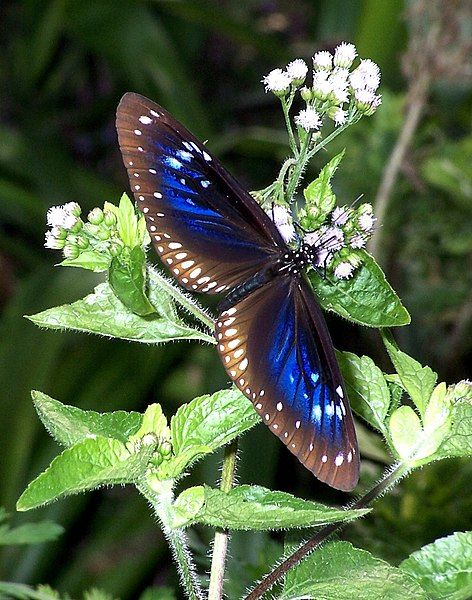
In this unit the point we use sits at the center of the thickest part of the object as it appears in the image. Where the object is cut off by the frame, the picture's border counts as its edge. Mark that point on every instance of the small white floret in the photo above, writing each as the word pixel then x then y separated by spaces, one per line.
pixel 344 55
pixel 323 61
pixel 297 69
pixel 308 119
pixel 277 81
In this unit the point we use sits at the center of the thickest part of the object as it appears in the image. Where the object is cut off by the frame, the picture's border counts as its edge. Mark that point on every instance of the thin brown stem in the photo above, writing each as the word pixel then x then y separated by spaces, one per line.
pixel 417 97
pixel 390 478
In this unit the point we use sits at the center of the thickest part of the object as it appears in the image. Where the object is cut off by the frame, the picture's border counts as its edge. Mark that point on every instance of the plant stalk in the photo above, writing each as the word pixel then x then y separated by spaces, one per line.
pixel 160 495
pixel 417 97
pixel 390 478
pixel 220 543
pixel 186 302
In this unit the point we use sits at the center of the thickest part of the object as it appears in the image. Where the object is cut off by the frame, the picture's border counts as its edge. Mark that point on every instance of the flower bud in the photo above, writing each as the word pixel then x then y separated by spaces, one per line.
pixel 71 251
pixel 76 226
pixel 59 232
pixel 96 216
pixel 115 249
pixel 82 242
pixel 53 242
pixel 72 208
pixel 165 448
pixel 110 218
pixel 306 94
pixel 103 234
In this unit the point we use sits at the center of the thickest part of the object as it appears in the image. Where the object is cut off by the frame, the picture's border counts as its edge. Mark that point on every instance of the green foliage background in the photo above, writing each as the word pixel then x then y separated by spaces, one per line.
pixel 63 67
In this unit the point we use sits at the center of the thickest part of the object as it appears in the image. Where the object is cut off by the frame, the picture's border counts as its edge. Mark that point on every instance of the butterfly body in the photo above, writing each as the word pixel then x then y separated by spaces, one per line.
pixel 271 335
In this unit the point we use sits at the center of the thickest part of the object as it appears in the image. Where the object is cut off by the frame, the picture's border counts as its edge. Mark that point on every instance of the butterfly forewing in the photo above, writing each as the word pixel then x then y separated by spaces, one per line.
pixel 210 233
pixel 276 348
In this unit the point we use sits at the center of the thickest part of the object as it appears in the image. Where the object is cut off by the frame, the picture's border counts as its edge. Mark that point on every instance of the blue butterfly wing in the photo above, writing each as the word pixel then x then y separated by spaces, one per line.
pixel 213 236
pixel 207 229
pixel 276 348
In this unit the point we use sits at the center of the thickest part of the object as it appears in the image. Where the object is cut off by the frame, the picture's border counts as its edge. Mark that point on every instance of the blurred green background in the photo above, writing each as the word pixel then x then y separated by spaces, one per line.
pixel 63 68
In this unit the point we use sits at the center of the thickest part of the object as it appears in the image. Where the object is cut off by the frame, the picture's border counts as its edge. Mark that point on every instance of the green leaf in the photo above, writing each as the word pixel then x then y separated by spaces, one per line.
pixel 186 507
pixel 102 313
pixel 437 420
pixel 417 381
pixel 69 424
pixel 127 222
pixel 207 423
pixel 458 443
pixel 176 465
pixel 153 421
pixel 30 533
pixel 367 298
pixel 339 571
pixel 367 389
pixel 90 260
pixel 96 594
pixel 85 466
pixel 256 508
pixel 443 568
pixel 320 199
pixel 25 592
pixel 405 431
pixel 127 279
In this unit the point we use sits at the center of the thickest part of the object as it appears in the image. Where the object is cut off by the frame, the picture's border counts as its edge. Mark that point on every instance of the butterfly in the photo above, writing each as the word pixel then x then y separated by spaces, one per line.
pixel 271 334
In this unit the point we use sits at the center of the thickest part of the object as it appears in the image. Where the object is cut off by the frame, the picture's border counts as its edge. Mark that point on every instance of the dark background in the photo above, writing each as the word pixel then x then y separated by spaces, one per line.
pixel 63 68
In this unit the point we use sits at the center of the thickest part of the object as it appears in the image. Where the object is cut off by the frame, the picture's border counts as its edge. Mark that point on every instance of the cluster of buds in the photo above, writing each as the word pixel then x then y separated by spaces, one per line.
pixel 344 95
pixel 337 240
pixel 73 236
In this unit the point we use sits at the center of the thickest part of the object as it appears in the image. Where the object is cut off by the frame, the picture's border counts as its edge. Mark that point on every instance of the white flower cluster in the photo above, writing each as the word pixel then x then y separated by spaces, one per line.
pixel 61 219
pixel 72 235
pixel 336 90
pixel 335 243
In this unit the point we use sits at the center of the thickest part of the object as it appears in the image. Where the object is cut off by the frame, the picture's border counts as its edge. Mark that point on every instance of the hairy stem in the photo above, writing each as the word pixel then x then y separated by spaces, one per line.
pixel 299 167
pixel 330 138
pixel 220 544
pixel 185 301
pixel 286 108
pixel 416 101
pixel 390 478
pixel 160 496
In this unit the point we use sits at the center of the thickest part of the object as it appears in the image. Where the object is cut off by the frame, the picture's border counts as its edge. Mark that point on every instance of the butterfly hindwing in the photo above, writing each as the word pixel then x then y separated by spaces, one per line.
pixel 206 228
pixel 276 348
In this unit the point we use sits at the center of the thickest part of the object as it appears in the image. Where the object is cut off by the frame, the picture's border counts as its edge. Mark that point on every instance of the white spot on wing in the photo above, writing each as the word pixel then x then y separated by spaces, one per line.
pixel 145 120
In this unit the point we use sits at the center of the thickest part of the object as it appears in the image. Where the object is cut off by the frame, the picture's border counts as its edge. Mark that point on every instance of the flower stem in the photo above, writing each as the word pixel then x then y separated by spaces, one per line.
pixel 160 495
pixel 299 167
pixel 185 301
pixel 220 544
pixel 291 138
pixel 329 138
pixel 390 478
